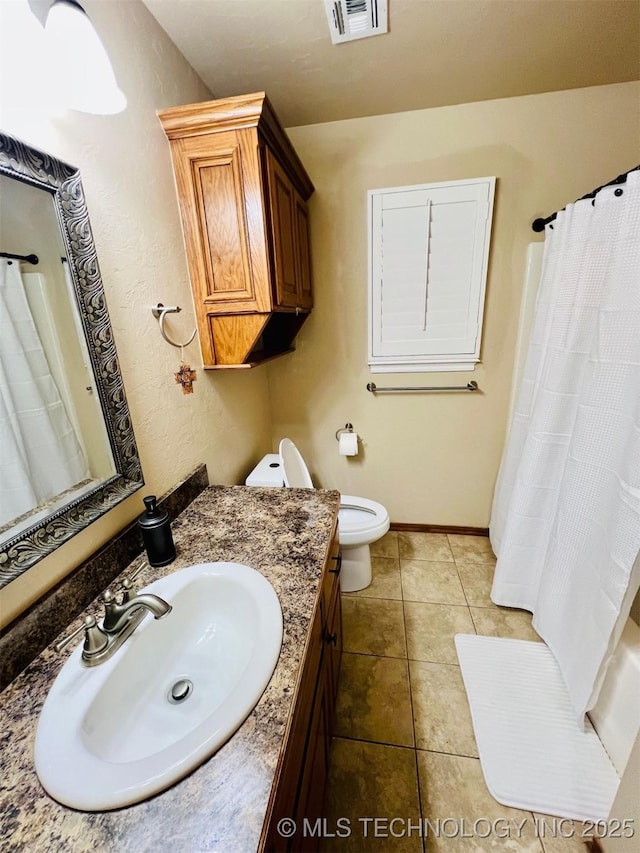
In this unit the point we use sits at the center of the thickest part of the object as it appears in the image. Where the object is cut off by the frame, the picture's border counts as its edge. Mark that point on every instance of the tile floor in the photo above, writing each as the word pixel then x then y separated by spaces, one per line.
pixel 404 746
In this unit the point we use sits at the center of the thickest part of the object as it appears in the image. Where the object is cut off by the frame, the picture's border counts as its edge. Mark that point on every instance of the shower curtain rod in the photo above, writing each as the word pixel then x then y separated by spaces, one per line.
pixel 30 259
pixel 539 224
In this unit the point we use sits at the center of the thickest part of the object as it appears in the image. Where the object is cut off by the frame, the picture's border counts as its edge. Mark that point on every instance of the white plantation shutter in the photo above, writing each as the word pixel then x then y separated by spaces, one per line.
pixel 428 248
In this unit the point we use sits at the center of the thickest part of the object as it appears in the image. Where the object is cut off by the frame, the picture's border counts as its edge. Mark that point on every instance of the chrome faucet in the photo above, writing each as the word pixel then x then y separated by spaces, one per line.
pixel 120 621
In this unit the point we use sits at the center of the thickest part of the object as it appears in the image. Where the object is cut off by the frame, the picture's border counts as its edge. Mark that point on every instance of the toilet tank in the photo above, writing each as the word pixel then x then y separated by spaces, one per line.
pixel 268 472
pixel 616 715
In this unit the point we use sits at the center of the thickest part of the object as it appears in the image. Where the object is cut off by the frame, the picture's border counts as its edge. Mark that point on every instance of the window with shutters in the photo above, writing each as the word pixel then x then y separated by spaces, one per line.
pixel 428 255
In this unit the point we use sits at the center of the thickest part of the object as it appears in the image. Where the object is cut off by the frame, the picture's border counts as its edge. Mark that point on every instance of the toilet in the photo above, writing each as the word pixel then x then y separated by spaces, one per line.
pixel 360 521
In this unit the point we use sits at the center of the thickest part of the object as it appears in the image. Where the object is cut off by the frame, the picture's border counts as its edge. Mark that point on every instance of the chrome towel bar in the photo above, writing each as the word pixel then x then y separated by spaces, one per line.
pixel 470 386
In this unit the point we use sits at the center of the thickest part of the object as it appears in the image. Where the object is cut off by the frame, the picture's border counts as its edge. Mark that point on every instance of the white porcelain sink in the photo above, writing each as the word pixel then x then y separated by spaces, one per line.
pixel 111 735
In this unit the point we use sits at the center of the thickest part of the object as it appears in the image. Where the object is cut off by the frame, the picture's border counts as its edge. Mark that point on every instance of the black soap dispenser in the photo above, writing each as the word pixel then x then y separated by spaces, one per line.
pixel 156 534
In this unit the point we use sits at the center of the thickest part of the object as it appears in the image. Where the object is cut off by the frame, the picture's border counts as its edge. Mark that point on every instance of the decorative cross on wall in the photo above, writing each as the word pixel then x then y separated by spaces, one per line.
pixel 186 377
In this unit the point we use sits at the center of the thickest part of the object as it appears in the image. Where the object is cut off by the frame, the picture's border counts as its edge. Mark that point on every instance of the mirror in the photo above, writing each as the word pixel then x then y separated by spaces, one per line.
pixel 68 449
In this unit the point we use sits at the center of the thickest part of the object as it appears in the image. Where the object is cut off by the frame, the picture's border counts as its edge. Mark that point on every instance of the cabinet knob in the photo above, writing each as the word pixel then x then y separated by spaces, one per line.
pixel 332 639
pixel 338 560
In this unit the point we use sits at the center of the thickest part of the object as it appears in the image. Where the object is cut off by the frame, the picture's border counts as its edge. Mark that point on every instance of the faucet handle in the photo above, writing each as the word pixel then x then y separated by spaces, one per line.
pixel 107 597
pixel 64 642
pixel 128 590
pixel 94 638
pixel 110 606
pixel 143 565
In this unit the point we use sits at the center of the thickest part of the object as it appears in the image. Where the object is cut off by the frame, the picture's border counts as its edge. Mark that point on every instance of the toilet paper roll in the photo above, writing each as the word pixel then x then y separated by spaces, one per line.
pixel 348 444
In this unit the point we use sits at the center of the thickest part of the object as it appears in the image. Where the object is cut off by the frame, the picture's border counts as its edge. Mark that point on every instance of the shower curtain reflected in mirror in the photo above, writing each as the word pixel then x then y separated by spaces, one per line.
pixel 566 515
pixel 41 456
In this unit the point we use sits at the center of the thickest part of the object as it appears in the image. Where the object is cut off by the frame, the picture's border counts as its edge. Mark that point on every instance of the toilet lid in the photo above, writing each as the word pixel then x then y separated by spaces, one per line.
pixel 295 472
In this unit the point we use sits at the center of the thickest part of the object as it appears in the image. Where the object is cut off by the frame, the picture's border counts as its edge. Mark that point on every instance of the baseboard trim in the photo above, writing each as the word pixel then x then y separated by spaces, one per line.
pixel 439 528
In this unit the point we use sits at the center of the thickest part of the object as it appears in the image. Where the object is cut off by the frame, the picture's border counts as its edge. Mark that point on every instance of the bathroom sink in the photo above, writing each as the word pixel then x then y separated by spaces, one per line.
pixel 115 734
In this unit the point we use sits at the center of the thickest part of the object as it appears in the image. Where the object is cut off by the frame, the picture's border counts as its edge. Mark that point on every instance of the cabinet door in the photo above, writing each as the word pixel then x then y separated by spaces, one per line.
pixel 314 777
pixel 332 628
pixel 302 773
pixel 282 204
pixel 303 253
pixel 333 656
pixel 293 770
pixel 218 180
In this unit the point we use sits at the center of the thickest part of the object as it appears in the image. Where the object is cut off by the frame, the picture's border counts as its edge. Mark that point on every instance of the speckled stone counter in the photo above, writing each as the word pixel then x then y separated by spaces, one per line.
pixel 284 534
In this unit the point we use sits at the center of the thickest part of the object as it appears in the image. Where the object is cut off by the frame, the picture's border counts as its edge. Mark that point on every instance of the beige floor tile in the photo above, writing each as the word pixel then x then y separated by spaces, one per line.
pixel 386 580
pixel 452 786
pixel 471 549
pixel 371 780
pixel 425 580
pixel 559 835
pixel 503 622
pixel 424 546
pixel 477 580
pixel 373 700
pixel 385 547
pixel 431 629
pixel 373 626
pixel 440 709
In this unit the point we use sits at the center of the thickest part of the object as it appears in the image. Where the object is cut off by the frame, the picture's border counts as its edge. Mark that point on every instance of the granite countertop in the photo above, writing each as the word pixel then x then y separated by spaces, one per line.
pixel 284 534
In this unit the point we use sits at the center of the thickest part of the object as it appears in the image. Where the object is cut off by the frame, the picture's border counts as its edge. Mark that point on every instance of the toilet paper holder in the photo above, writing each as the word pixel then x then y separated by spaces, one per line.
pixel 345 428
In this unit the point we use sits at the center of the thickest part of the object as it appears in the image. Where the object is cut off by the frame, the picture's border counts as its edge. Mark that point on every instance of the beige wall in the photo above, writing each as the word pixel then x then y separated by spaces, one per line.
pixel 128 180
pixel 432 458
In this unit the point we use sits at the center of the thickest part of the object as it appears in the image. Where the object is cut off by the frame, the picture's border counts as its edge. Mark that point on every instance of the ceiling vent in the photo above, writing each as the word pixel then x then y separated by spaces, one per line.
pixel 356 19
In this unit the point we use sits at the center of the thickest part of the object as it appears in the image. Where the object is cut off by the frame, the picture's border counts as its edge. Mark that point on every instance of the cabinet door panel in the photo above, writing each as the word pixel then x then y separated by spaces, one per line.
pixel 223 227
pixel 217 181
pixel 283 217
pixel 301 776
pixel 303 254
pixel 332 633
pixel 294 762
pixel 331 580
pixel 314 777
pixel 333 656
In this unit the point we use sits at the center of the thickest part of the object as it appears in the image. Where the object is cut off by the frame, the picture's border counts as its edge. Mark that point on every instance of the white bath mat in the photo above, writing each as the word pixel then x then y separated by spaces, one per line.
pixel 534 755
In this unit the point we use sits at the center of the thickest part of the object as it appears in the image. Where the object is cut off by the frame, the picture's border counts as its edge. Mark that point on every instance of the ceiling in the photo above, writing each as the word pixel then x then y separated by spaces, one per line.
pixel 437 52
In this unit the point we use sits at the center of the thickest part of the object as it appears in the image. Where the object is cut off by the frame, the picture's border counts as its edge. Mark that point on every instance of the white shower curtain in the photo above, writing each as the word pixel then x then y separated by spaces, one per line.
pixel 40 455
pixel 566 515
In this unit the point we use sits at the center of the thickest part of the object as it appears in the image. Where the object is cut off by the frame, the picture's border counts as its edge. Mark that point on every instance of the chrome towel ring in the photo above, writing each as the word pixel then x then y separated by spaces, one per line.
pixel 160 312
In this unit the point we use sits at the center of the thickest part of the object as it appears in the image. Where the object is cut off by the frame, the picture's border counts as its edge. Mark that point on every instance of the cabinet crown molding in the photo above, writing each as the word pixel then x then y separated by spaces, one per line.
pixel 239 112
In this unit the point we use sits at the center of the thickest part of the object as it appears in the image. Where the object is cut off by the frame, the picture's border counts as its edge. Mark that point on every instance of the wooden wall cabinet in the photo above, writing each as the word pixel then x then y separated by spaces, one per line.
pixel 243 195
pixel 299 784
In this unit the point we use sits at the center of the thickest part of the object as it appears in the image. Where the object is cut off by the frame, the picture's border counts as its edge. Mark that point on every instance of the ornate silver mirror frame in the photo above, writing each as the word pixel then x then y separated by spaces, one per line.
pixel 27 164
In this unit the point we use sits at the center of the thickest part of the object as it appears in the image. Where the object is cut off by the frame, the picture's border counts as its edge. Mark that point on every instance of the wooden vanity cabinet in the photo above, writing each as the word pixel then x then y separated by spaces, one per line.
pixel 243 195
pixel 300 780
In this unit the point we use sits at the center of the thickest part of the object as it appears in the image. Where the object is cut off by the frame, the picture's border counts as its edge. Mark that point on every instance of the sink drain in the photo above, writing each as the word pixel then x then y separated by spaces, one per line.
pixel 181 690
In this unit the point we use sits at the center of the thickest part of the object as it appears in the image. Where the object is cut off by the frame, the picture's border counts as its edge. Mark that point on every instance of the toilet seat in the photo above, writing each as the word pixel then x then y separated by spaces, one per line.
pixel 360 521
